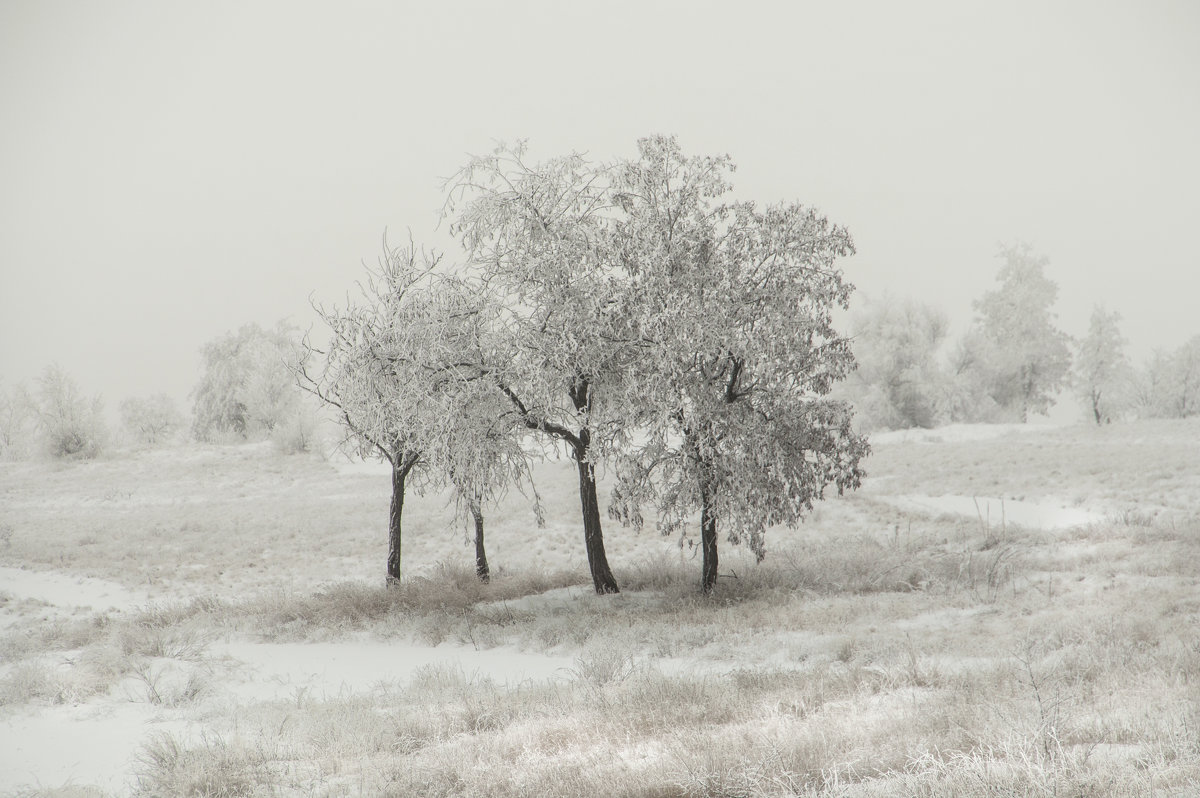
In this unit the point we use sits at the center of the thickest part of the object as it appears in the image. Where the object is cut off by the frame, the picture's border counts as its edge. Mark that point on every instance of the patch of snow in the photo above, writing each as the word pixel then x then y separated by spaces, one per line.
pixel 958 433
pixel 64 590
pixel 77 745
pixel 997 512
pixel 275 671
pixel 361 467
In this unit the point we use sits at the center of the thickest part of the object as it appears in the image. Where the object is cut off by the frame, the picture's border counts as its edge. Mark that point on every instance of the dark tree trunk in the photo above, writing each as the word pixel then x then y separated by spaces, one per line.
pixel 481 563
pixel 708 542
pixel 593 536
pixel 399 473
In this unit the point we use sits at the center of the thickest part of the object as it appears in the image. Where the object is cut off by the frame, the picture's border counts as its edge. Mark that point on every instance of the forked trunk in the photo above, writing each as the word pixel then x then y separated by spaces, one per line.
pixel 481 563
pixel 399 473
pixel 593 536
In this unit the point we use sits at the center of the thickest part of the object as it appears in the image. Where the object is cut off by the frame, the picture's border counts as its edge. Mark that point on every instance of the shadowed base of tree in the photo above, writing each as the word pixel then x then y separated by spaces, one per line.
pixel 481 563
pixel 593 536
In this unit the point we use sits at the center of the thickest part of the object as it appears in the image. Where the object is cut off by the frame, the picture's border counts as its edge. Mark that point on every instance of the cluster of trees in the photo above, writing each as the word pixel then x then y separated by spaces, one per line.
pixel 1012 362
pixel 625 313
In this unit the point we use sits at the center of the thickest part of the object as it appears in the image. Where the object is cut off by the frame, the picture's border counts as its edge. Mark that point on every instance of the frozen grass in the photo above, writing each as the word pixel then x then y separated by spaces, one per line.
pixel 876 652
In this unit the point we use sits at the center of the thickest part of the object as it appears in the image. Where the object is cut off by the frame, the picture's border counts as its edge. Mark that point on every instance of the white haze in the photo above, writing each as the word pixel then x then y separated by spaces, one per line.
pixel 169 172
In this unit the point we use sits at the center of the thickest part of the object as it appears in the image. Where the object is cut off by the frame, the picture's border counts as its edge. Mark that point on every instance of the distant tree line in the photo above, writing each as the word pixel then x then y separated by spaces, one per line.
pixel 247 392
pixel 1012 362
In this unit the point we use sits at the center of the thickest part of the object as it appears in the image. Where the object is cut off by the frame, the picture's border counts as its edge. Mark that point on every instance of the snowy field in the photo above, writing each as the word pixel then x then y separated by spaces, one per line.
pixel 1001 610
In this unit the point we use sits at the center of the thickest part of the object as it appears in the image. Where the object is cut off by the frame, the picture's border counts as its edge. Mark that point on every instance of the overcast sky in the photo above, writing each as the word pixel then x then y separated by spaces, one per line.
pixel 171 171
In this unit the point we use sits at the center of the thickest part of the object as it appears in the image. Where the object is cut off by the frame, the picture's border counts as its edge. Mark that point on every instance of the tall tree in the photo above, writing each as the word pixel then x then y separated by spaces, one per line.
pixel 1027 357
pixel 733 309
pixel 1101 367
pixel 536 235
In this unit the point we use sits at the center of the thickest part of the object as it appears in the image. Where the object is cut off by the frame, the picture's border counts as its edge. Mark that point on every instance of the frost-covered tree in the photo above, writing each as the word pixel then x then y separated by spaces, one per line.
pixel 247 388
pixel 1187 378
pixel 70 425
pixel 537 236
pixel 1101 366
pixel 1168 385
pixel 18 423
pixel 898 383
pixel 402 370
pixel 732 308
pixel 1025 358
pixel 150 420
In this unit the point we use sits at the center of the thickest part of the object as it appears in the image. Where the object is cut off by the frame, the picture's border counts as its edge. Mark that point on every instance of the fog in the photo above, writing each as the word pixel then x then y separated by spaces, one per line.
pixel 171 172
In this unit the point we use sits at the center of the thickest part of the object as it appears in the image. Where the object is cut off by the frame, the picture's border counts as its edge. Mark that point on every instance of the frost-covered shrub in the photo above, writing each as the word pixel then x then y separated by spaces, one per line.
pixel 68 424
pixel 152 420
pixel 248 387
pixel 300 433
pixel 899 382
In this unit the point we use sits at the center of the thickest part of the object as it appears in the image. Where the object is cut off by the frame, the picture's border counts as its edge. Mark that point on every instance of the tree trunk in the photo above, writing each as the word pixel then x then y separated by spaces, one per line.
pixel 593 536
pixel 708 542
pixel 399 473
pixel 481 563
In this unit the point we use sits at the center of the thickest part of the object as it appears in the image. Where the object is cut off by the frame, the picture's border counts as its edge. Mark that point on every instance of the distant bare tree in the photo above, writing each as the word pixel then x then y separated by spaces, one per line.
pixel 151 420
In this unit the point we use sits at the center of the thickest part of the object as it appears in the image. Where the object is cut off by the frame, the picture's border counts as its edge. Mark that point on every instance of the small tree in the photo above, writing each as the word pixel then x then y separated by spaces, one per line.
pixel 403 371
pixel 732 306
pixel 1026 359
pixel 151 420
pixel 1101 367
pixel 898 383
pixel 247 388
pixel 70 425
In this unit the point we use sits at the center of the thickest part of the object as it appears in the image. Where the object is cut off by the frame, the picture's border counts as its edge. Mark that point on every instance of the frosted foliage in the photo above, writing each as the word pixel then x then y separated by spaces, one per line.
pixel 539 236
pixel 404 369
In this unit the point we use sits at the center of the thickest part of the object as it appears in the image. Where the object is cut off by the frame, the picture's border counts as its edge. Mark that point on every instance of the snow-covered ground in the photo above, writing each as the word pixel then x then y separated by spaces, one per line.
pixel 996 512
pixel 241 524
pixel 69 591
